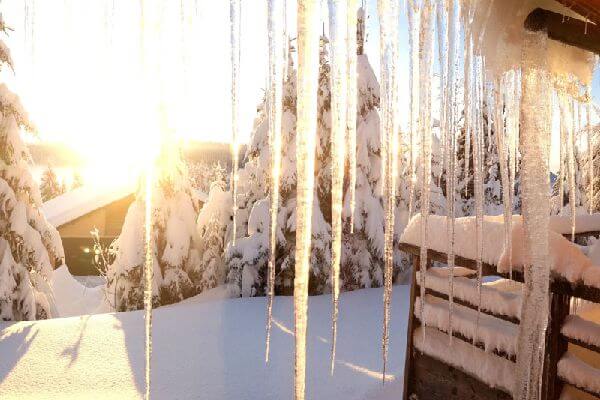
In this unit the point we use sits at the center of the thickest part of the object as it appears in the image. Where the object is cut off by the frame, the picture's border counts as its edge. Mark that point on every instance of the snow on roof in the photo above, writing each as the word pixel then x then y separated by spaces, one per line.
pixel 76 203
pixel 583 223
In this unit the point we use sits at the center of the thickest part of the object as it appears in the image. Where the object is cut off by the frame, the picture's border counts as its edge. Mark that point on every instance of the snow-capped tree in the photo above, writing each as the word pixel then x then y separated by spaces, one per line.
pixel 362 251
pixel 174 240
pixel 50 187
pixel 30 248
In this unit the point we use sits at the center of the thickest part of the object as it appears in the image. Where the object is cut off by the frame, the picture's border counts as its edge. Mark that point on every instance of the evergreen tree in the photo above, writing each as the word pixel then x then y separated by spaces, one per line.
pixel 30 248
pixel 50 187
pixel 174 242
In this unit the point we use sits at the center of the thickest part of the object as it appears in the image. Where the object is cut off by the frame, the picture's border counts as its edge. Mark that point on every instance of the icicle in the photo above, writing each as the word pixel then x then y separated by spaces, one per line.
pixel 426 72
pixel 502 159
pixel 535 137
pixel 450 116
pixel 467 104
pixel 477 135
pixel 563 156
pixel 414 22
pixel 512 128
pixel 148 278
pixel 234 15
pixel 351 111
pixel 338 29
pixel 571 160
pixel 442 36
pixel 388 22
pixel 590 155
pixel 306 132
pixel 275 104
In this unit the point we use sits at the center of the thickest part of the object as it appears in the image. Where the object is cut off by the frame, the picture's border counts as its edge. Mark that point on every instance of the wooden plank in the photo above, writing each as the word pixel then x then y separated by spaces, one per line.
pixel 472 306
pixel 408 360
pixel 434 380
pixel 569 31
pixel 555 347
pixel 579 343
pixel 596 395
pixel 479 345
pixel 589 9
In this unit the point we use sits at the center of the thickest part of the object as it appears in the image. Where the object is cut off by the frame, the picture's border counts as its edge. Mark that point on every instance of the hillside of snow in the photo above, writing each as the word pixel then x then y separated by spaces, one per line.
pixel 206 348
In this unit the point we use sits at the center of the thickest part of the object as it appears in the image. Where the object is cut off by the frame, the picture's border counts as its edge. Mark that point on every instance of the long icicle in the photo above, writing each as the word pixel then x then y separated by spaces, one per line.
pixel 352 100
pixel 426 71
pixel 306 132
pixel 449 93
pixel 477 135
pixel 563 150
pixel 339 76
pixel 148 273
pixel 442 38
pixel 414 18
pixel 235 22
pixel 571 166
pixel 590 155
pixel 388 22
pixel 503 162
pixel 275 105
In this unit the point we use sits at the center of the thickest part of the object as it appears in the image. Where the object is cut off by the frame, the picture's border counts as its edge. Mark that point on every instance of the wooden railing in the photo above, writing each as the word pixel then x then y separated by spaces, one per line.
pixel 427 377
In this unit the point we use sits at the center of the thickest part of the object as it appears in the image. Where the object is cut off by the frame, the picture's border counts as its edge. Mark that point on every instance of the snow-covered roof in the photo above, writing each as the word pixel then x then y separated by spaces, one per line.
pixel 76 203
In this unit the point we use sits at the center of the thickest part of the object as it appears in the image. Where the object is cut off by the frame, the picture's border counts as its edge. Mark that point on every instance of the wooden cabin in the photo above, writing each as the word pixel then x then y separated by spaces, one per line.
pixel 75 214
pixel 472 354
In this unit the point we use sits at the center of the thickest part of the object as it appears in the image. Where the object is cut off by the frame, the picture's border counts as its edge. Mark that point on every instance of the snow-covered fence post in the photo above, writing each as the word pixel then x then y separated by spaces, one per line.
pixel 534 141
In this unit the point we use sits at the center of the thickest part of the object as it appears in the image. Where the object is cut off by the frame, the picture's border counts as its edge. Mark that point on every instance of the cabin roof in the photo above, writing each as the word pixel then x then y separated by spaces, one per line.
pixel 81 201
pixel 589 9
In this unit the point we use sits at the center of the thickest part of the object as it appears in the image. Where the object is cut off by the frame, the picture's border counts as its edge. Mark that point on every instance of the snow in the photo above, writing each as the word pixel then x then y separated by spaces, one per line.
pixel 83 200
pixel 583 223
pixel 205 347
pixel 72 298
pixel 493 299
pixel 566 258
pixel 578 373
pixel 493 333
pixel 581 329
pixel 489 368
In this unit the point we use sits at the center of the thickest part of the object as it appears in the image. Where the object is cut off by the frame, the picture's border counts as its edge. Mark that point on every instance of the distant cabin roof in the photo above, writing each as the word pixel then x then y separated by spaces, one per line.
pixel 81 201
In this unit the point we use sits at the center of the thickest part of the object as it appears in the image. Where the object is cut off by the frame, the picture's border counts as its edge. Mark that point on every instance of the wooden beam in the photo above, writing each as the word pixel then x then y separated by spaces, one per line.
pixel 570 31
pixel 589 9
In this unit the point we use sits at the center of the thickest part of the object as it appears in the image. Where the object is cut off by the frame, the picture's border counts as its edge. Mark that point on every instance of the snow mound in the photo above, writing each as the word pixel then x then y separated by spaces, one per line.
pixel 72 298
pixel 566 258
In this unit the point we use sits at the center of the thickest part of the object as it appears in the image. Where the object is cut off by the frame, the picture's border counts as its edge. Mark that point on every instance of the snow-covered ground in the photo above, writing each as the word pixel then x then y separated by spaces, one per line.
pixel 206 347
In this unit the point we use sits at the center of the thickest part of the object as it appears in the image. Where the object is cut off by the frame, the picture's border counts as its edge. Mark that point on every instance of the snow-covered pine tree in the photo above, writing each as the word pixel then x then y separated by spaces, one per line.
pixel 77 180
pixel 50 187
pixel 174 240
pixel 362 251
pixel 30 248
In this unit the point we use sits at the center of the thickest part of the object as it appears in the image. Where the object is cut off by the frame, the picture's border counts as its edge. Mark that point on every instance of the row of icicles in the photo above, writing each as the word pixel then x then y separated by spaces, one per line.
pixel 499 97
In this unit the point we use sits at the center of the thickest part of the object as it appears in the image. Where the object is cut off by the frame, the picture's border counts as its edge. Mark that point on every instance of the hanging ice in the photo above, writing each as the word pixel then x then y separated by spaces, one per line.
pixel 567 127
pixel 388 22
pixel 414 22
pixel 306 132
pixel 234 18
pixel 339 75
pixel 450 158
pixel 351 110
pixel 535 139
pixel 275 98
pixel 590 156
pixel 426 72
pixel 442 40
pixel 503 161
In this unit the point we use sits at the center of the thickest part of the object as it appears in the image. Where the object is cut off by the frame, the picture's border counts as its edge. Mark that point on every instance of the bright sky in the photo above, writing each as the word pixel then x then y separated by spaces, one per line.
pixel 78 68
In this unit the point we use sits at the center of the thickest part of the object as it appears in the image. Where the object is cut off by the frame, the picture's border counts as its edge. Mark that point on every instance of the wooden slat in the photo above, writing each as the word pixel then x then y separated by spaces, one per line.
pixel 465 303
pixel 434 380
pixel 579 343
pixel 589 9
pixel 479 345
pixel 556 346
pixel 409 369
pixel 591 393
pixel 570 31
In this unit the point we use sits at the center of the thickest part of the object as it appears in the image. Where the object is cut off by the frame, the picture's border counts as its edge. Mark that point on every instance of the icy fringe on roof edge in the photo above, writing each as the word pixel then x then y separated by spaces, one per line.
pixel 30 248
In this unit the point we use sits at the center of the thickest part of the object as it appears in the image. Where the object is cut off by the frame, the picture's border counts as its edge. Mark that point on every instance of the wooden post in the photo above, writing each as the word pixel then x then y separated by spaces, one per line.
pixel 556 346
pixel 408 357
